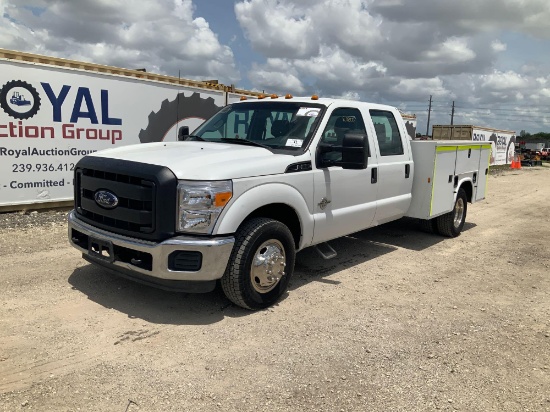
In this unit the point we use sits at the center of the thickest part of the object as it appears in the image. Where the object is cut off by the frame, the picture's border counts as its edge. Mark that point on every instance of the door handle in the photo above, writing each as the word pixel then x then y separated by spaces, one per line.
pixel 374 175
pixel 407 170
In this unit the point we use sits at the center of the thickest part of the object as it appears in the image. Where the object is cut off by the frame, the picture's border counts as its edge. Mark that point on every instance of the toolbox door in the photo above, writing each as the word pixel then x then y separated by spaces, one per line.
pixel 442 200
pixel 484 160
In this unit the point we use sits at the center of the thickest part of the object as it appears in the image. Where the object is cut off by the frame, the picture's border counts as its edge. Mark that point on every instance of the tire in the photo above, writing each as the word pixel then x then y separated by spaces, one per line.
pixel 263 247
pixel 452 223
pixel 429 225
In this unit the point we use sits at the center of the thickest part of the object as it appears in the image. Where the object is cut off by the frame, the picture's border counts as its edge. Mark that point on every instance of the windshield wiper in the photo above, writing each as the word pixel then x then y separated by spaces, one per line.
pixel 194 137
pixel 244 142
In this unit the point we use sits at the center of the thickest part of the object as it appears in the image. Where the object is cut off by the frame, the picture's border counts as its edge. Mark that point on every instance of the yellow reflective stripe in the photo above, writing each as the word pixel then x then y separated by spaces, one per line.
pixel 433 186
pixel 453 148
pixel 488 169
pixel 446 148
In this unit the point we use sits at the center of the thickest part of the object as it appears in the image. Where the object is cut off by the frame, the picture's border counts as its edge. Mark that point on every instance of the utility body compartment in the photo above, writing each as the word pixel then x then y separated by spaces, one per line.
pixel 440 168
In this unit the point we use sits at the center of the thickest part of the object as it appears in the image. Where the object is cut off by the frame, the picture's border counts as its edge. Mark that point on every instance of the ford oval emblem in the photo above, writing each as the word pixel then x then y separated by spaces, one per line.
pixel 106 199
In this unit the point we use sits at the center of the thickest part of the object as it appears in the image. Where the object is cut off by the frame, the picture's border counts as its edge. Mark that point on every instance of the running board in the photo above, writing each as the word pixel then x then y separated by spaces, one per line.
pixel 325 250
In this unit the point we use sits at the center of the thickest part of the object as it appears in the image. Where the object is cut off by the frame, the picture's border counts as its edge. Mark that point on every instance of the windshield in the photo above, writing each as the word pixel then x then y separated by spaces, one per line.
pixel 274 125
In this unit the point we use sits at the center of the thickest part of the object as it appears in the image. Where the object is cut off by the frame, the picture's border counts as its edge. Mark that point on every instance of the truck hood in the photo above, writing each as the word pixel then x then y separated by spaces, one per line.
pixel 204 160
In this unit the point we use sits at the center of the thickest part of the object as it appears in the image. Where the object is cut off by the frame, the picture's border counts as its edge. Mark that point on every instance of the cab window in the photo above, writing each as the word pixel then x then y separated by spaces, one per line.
pixel 387 133
pixel 340 122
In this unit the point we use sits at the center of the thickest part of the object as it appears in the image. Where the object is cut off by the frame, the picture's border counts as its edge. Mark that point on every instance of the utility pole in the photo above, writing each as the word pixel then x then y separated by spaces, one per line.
pixel 453 113
pixel 429 113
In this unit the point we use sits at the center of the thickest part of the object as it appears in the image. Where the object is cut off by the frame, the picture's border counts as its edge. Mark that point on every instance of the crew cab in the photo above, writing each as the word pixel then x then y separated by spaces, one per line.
pixel 262 179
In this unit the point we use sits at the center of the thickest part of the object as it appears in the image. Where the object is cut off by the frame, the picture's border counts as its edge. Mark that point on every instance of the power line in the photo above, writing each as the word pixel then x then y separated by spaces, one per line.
pixel 515 103
pixel 429 113
pixel 453 113
pixel 502 110
pixel 414 106
pixel 503 116
pixel 471 112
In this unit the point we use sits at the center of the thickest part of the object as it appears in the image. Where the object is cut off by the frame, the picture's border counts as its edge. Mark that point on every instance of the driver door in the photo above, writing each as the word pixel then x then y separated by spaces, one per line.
pixel 344 199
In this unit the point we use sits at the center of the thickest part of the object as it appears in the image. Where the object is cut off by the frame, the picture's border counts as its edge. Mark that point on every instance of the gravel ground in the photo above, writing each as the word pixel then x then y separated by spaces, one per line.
pixel 30 219
pixel 399 321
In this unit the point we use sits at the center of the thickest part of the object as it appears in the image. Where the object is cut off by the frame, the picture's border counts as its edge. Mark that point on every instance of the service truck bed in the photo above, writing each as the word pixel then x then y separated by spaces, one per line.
pixel 439 168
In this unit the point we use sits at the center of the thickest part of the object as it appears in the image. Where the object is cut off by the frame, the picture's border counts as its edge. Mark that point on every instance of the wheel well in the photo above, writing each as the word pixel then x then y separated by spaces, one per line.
pixel 467 186
pixel 284 214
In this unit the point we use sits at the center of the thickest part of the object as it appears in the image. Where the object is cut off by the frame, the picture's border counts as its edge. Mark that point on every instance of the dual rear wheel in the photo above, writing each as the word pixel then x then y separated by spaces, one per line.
pixel 450 224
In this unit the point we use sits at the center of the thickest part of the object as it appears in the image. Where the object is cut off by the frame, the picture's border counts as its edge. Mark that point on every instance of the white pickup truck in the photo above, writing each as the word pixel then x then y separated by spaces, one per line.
pixel 259 181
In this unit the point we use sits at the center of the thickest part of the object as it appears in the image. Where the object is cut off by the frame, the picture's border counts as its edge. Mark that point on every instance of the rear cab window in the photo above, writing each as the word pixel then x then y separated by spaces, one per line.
pixel 389 138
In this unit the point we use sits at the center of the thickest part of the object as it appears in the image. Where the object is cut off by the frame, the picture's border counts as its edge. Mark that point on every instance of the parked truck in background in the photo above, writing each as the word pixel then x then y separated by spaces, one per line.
pixel 534 147
pixel 534 152
pixel 502 141
pixel 256 183
pixel 540 149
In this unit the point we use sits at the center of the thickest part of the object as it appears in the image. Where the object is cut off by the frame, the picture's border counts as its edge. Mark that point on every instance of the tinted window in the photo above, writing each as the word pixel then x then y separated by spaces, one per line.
pixel 387 133
pixel 286 125
pixel 340 122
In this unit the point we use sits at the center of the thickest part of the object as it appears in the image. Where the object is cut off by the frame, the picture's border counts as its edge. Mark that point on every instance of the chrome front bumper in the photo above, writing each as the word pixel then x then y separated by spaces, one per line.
pixel 215 255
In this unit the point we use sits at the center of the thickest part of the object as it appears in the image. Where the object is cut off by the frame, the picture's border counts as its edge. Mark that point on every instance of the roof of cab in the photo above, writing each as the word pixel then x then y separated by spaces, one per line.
pixel 322 100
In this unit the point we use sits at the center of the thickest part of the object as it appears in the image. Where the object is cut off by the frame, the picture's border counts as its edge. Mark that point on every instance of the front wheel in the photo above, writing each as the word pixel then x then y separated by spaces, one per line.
pixel 452 223
pixel 261 264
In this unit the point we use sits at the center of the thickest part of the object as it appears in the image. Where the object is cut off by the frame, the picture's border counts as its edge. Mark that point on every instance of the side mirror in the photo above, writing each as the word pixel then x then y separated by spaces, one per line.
pixel 355 151
pixel 353 154
pixel 183 133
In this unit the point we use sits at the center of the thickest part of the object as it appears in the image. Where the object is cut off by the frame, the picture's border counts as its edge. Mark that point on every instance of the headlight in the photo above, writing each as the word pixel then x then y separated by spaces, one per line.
pixel 200 204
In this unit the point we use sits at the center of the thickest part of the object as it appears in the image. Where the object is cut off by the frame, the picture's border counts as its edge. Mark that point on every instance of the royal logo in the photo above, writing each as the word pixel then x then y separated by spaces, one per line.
pixel 19 99
pixel 106 199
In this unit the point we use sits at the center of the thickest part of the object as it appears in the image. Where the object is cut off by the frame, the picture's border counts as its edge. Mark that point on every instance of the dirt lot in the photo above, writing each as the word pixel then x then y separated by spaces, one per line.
pixel 400 320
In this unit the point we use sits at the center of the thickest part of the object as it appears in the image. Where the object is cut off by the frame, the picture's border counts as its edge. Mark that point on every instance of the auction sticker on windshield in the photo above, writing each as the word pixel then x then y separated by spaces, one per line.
pixel 308 111
pixel 294 142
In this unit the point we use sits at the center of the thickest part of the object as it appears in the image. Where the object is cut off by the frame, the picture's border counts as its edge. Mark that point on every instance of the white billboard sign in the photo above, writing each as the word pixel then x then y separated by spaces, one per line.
pixel 50 117
pixel 502 144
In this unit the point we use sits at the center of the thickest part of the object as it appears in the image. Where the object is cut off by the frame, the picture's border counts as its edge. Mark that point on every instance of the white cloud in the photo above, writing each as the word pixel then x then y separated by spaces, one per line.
pixel 471 16
pixel 415 87
pixel 337 65
pixel 499 81
pixel 397 51
pixel 498 46
pixel 350 96
pixel 162 36
pixel 453 50
pixel 273 77
pixel 344 43
pixel 296 35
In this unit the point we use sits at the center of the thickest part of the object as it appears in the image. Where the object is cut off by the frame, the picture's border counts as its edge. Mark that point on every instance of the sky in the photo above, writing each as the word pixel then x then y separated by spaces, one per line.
pixel 490 57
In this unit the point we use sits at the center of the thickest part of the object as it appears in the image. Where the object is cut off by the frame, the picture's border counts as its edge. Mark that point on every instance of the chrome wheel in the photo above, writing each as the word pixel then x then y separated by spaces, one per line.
pixel 261 264
pixel 458 213
pixel 451 224
pixel 268 266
